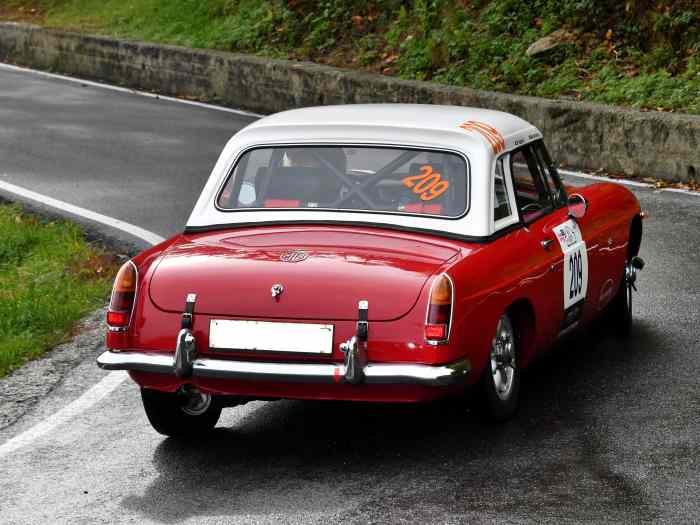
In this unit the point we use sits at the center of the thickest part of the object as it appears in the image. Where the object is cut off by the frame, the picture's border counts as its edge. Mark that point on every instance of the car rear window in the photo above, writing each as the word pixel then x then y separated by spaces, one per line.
pixel 372 179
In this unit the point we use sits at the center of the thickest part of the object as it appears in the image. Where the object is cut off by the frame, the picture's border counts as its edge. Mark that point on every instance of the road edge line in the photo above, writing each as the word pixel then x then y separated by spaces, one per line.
pixel 92 83
pixel 89 398
pixel 624 182
pixel 112 380
pixel 601 178
pixel 131 229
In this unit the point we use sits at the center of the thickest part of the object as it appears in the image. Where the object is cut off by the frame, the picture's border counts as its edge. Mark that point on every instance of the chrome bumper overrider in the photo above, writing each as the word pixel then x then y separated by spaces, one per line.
pixel 162 363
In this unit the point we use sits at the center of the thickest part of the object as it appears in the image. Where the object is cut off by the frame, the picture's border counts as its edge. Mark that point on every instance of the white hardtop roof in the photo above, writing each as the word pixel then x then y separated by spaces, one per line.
pixel 417 123
pixel 481 135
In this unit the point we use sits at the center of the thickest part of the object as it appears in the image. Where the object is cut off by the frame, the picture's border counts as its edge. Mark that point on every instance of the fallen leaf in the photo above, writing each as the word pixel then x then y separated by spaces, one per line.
pixel 391 58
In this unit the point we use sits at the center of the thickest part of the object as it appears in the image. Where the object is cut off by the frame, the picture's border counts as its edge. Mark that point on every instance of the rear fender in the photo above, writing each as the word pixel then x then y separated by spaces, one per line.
pixel 145 262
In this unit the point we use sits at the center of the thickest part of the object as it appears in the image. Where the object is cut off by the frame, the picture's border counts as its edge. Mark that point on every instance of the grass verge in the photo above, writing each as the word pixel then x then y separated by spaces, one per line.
pixel 50 277
pixel 639 53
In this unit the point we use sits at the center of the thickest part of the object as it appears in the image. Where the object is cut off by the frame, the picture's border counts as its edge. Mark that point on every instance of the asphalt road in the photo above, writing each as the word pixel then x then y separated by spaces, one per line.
pixel 134 158
pixel 608 429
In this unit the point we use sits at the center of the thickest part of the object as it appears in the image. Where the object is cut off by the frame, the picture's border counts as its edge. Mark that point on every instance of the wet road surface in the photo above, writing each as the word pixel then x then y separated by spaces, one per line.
pixel 608 430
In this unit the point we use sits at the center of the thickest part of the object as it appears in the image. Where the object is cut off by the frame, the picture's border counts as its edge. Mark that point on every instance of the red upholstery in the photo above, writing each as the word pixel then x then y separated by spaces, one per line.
pixel 281 203
pixel 420 207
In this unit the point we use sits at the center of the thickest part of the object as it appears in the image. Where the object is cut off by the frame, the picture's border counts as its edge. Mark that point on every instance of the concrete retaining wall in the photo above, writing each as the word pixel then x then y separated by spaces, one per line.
pixel 588 136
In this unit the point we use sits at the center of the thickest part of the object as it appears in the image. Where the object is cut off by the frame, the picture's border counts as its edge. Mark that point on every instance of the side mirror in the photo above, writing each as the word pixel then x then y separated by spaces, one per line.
pixel 577 205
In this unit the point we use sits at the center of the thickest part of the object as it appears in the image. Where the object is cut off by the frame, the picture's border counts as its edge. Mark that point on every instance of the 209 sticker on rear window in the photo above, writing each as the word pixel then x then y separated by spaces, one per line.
pixel 428 184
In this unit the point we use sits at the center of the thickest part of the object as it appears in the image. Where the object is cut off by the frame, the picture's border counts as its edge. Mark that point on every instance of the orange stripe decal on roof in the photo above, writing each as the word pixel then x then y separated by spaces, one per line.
pixel 492 135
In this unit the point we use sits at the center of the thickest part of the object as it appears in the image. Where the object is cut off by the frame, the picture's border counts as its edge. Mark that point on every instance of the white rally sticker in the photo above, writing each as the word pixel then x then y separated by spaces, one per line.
pixel 575 262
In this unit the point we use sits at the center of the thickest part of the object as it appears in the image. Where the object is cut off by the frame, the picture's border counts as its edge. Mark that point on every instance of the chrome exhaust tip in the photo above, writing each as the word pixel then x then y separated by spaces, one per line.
pixel 194 402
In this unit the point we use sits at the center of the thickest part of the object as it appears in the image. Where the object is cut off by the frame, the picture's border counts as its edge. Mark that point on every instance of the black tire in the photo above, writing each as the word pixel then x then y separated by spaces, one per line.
pixel 619 314
pixel 499 404
pixel 166 414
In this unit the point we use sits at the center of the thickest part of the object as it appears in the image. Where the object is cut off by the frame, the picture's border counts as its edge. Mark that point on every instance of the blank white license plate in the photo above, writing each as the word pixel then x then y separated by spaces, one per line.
pixel 266 336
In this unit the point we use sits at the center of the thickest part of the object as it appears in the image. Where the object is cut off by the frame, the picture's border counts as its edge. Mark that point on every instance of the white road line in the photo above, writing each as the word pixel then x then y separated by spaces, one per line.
pixel 679 190
pixel 85 401
pixel 131 229
pixel 111 380
pixel 91 83
pixel 605 179
pixel 624 182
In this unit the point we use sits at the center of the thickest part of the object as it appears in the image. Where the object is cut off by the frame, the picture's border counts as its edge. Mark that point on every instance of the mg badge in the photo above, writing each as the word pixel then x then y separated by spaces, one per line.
pixel 276 290
pixel 294 256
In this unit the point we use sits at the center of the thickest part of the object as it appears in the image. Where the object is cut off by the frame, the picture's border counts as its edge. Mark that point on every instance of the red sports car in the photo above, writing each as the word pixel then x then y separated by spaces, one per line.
pixel 394 253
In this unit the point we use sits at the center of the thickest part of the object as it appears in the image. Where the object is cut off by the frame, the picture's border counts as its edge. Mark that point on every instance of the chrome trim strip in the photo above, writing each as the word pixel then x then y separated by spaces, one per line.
pixel 140 361
pixel 329 373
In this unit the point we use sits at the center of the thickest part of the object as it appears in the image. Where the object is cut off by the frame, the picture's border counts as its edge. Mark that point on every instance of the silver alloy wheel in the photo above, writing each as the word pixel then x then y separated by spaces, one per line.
pixel 503 361
pixel 197 404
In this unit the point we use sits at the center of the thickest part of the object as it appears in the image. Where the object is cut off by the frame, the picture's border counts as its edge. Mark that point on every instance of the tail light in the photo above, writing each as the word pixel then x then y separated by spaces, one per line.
pixel 437 323
pixel 123 295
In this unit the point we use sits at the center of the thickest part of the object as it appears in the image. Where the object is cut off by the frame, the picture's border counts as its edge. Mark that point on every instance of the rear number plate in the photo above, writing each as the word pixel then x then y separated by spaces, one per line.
pixel 266 336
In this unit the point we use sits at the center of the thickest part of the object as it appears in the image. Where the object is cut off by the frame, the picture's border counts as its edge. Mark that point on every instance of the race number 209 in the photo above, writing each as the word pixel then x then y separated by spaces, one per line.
pixel 573 246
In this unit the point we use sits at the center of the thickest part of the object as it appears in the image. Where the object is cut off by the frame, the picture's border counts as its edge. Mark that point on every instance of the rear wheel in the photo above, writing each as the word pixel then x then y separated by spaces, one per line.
pixel 619 316
pixel 174 414
pixel 500 383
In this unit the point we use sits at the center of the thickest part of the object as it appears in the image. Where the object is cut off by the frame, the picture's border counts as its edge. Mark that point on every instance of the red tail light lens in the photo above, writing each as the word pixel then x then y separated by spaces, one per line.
pixel 437 324
pixel 437 332
pixel 123 295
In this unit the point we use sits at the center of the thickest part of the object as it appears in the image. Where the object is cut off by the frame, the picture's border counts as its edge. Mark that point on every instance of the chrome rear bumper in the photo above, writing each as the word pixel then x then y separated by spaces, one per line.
pixel 378 373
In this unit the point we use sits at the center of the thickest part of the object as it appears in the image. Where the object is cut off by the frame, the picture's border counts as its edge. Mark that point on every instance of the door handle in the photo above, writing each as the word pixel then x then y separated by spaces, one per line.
pixel 547 243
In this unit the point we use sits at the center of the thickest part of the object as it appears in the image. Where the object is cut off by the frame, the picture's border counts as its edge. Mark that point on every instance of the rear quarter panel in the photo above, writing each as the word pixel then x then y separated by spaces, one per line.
pixel 145 263
pixel 490 279
pixel 488 282
pixel 606 228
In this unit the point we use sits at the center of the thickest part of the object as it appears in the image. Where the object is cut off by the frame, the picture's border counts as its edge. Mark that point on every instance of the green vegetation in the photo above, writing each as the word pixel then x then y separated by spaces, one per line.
pixel 641 53
pixel 50 277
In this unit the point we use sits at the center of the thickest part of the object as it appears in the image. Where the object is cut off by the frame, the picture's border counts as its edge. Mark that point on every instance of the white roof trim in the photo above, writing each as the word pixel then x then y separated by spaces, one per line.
pixel 430 127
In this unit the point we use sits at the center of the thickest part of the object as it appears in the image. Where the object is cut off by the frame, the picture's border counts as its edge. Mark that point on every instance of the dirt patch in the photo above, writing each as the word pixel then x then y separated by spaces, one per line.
pixel 30 14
